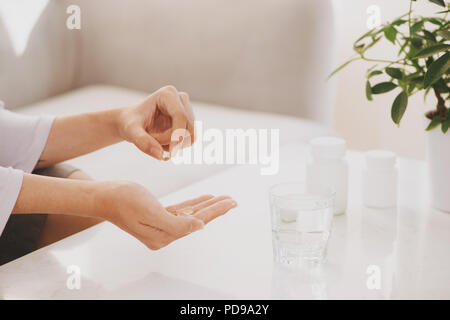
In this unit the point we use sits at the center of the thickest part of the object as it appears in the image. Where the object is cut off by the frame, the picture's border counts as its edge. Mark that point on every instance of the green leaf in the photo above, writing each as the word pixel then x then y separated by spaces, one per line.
pixel 441 86
pixel 411 88
pixel 383 87
pixel 423 37
pixel 368 91
pixel 390 33
pixel 429 51
pixel 429 36
pixel 444 34
pixel 399 22
pixel 445 125
pixel 437 69
pixel 417 82
pixel 416 46
pixel 438 2
pixel 416 27
pixel 341 67
pixel 359 48
pixel 434 21
pixel 374 73
pixel 416 42
pixel 399 107
pixel 394 73
pixel 413 75
pixel 371 33
pixel 374 41
pixel 434 123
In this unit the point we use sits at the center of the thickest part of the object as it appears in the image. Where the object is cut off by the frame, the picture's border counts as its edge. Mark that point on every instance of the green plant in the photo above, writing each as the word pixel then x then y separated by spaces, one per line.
pixel 422 63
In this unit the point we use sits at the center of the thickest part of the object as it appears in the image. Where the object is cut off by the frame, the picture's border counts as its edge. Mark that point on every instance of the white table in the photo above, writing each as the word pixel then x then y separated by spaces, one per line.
pixel 232 257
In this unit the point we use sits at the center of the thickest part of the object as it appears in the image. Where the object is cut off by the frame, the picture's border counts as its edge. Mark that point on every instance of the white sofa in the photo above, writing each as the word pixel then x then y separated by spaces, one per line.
pixel 244 63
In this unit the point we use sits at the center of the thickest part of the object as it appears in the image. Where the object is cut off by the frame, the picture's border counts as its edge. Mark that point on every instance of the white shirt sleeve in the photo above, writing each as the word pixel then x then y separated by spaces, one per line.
pixel 10 184
pixel 22 140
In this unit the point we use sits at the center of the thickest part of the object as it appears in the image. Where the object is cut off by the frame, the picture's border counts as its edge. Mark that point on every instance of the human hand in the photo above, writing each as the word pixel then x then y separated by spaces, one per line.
pixel 133 209
pixel 164 121
pixel 205 208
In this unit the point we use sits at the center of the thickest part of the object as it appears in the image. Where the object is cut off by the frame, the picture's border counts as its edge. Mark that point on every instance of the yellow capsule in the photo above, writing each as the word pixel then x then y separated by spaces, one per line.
pixel 182 212
pixel 186 211
pixel 166 156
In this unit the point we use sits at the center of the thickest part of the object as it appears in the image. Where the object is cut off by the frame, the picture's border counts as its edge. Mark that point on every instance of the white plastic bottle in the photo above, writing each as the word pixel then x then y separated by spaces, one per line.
pixel 379 185
pixel 327 167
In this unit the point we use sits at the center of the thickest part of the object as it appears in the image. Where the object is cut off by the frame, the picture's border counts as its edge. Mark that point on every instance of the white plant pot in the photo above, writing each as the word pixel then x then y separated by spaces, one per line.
pixel 438 158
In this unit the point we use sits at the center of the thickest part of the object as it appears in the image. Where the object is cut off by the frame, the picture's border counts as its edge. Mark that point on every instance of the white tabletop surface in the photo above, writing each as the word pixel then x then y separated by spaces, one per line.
pixel 232 256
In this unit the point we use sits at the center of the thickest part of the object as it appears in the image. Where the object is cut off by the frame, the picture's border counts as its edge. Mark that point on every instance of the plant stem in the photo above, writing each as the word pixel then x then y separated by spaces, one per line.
pixel 440 108
pixel 386 61
pixel 409 17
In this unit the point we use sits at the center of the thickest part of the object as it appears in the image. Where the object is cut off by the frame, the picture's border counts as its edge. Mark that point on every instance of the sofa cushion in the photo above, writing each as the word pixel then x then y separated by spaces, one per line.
pixel 124 161
pixel 264 55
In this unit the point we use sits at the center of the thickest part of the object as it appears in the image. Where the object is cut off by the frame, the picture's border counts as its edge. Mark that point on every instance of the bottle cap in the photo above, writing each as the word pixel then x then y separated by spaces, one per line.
pixel 328 147
pixel 380 159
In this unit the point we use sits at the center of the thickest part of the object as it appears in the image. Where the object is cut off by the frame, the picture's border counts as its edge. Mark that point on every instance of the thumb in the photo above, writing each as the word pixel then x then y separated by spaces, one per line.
pixel 145 142
pixel 195 224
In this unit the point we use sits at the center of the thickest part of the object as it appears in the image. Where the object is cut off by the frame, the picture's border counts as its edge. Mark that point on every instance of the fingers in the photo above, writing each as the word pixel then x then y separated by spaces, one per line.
pixel 197 204
pixel 191 202
pixel 184 97
pixel 166 227
pixel 182 226
pixel 175 225
pixel 160 228
pixel 169 103
pixel 206 208
pixel 177 105
pixel 215 210
pixel 145 142
pixel 209 202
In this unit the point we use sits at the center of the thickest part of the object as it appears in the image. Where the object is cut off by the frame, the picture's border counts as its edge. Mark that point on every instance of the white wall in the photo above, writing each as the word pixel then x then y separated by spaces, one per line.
pixel 367 124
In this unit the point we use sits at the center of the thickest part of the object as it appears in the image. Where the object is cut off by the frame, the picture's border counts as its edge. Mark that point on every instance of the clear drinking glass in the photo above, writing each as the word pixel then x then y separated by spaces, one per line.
pixel 301 222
